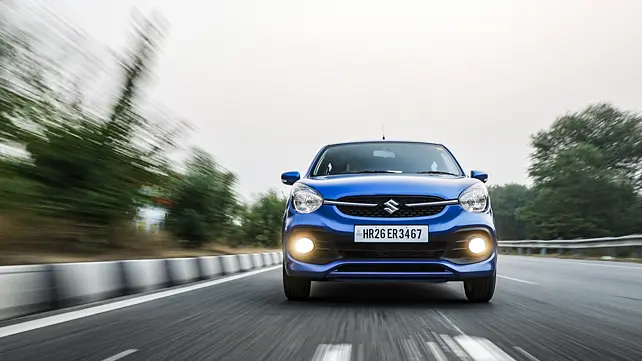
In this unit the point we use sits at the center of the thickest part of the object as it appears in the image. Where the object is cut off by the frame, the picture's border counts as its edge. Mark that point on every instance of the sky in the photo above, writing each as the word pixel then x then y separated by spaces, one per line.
pixel 267 83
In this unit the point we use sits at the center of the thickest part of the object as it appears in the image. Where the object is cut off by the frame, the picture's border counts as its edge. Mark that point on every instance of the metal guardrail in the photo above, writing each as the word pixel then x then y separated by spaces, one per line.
pixel 604 243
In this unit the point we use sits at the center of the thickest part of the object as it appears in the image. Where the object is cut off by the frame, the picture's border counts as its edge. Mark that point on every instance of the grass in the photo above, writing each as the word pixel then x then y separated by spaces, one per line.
pixel 60 242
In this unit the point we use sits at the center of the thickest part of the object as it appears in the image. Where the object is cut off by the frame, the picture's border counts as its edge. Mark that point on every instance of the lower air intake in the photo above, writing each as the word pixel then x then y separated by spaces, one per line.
pixel 391 268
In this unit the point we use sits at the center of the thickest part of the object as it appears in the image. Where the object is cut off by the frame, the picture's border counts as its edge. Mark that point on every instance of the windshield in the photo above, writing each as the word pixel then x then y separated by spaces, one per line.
pixel 386 157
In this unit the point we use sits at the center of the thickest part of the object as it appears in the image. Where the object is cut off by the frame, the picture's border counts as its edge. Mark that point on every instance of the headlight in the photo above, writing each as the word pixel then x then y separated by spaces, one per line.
pixel 305 199
pixel 474 198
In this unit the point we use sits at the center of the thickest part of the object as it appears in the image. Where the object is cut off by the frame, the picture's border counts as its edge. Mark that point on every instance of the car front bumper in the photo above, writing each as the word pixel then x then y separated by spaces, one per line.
pixel 376 270
pixel 337 257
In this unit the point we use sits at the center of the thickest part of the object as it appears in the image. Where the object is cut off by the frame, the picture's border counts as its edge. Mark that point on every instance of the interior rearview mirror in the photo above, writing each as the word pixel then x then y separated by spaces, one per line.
pixel 383 154
pixel 289 178
pixel 479 175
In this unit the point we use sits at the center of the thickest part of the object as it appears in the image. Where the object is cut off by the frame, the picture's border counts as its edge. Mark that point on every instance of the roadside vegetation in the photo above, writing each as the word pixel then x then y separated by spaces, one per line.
pixel 587 180
pixel 76 169
pixel 82 151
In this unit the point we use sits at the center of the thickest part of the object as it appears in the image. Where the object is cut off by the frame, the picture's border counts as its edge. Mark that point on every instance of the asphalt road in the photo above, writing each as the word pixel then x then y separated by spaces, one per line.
pixel 544 309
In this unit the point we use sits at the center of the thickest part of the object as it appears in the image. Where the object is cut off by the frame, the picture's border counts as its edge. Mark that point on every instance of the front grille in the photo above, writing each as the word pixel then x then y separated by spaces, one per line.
pixel 380 212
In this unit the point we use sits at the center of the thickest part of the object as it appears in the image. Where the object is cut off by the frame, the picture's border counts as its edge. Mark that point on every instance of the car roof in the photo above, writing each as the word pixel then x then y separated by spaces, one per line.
pixel 383 141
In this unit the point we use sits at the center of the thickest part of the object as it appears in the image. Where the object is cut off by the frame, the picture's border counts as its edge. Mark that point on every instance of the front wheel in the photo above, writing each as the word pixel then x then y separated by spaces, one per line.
pixel 480 290
pixel 295 288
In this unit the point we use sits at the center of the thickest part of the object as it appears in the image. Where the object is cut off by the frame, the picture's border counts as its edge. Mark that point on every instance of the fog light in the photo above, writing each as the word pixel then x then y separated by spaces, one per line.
pixel 304 245
pixel 477 245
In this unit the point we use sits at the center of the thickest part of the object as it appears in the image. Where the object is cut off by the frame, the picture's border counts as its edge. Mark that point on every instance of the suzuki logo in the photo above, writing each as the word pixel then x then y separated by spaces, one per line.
pixel 390 206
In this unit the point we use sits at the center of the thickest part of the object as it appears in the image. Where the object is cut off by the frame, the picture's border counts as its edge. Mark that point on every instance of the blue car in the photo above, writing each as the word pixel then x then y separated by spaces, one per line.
pixel 388 211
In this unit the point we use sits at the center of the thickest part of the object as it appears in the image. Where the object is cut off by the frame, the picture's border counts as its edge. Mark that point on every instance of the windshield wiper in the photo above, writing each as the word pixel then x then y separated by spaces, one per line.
pixel 436 172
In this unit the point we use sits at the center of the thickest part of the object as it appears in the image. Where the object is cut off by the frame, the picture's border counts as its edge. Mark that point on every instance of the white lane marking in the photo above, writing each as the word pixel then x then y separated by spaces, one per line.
pixel 481 349
pixel 454 347
pixel 441 342
pixel 598 263
pixel 340 352
pixel 450 322
pixel 120 355
pixel 437 352
pixel 465 348
pixel 517 280
pixel 74 315
pixel 523 352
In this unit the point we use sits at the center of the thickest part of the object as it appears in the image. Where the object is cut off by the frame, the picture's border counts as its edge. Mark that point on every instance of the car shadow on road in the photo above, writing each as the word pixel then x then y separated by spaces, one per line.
pixel 402 294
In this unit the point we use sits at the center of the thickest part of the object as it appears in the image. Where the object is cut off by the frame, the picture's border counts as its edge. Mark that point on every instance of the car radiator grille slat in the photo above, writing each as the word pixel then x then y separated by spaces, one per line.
pixel 380 212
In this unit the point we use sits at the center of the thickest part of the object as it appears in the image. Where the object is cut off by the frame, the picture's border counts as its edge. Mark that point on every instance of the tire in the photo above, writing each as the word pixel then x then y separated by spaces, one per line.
pixel 296 288
pixel 480 290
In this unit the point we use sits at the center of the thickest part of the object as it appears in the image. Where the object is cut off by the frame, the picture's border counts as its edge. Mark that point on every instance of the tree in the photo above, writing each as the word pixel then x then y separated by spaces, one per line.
pixel 88 168
pixel 16 75
pixel 586 172
pixel 261 223
pixel 203 201
pixel 614 134
pixel 506 201
pixel 94 167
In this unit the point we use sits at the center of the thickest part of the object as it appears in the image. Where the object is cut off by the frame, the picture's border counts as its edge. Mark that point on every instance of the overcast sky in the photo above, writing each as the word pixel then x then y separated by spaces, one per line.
pixel 267 83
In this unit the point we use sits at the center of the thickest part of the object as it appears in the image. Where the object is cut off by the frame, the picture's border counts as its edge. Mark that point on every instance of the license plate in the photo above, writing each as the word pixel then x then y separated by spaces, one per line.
pixel 391 234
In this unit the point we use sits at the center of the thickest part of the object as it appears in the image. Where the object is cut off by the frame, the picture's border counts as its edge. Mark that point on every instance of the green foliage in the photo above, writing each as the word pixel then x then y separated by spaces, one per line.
pixel 16 74
pixel 587 174
pixel 583 199
pixel 261 222
pixel 80 166
pixel 506 201
pixel 203 201
pixel 93 170
pixel 205 208
pixel 606 140
pixel 15 190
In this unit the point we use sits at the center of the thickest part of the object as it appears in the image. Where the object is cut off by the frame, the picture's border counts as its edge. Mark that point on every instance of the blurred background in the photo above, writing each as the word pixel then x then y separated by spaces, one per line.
pixel 133 129
pixel 90 166
pixel 141 128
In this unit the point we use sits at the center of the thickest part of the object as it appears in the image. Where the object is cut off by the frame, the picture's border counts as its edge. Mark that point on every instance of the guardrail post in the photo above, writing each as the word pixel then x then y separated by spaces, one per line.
pixel 519 251
pixel 542 251
pixel 529 251
pixel 639 252
pixel 560 251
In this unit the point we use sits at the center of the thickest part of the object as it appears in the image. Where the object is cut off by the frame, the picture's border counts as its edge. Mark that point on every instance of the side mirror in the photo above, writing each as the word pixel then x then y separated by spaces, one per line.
pixel 289 178
pixel 479 175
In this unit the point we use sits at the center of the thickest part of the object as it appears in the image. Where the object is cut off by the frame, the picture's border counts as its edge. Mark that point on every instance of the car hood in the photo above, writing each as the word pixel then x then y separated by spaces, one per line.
pixel 338 186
